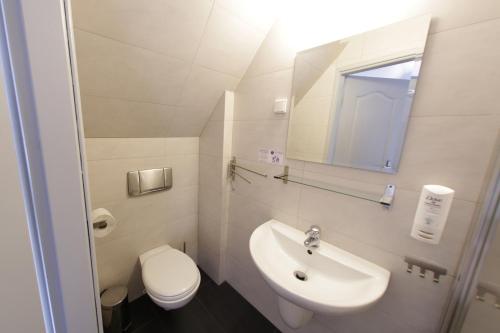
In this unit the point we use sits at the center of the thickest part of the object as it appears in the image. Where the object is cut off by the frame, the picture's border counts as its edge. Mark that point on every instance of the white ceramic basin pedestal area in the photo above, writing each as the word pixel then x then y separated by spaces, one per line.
pixel 328 280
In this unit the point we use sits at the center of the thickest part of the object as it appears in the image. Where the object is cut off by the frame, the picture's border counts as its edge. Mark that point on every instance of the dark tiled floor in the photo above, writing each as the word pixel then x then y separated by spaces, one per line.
pixel 214 309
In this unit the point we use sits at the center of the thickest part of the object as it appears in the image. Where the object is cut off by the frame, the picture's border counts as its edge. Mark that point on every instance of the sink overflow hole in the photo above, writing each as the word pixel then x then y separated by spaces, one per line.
pixel 300 275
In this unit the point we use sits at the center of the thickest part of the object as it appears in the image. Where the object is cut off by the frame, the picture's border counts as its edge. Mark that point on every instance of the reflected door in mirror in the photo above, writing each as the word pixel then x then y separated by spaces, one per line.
pixel 351 99
pixel 371 118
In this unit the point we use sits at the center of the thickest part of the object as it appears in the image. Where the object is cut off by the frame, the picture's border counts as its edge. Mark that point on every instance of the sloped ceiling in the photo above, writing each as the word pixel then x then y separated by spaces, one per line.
pixel 156 68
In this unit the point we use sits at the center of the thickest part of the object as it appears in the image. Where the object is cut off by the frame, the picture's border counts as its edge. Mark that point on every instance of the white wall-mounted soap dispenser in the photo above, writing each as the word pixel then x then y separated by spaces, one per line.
pixel 432 213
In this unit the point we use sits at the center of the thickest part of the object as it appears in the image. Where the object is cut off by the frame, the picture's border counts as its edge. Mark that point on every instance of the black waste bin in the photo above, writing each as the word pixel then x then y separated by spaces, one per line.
pixel 115 313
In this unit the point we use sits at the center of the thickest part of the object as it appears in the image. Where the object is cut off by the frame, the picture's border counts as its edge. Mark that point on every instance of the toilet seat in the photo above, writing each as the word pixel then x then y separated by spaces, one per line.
pixel 164 298
pixel 170 276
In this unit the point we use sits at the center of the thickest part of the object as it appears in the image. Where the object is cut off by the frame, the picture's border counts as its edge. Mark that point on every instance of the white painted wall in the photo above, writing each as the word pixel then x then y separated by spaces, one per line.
pixel 451 135
pixel 18 284
pixel 144 222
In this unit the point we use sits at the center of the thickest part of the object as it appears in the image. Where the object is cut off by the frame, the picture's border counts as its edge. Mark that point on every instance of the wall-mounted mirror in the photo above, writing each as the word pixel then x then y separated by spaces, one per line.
pixel 352 98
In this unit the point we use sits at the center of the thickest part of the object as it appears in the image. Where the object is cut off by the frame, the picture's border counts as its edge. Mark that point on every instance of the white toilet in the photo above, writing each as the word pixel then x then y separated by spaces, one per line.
pixel 171 277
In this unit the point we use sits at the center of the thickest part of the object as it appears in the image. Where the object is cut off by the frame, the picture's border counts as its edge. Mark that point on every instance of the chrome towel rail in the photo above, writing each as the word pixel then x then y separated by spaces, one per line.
pixel 233 173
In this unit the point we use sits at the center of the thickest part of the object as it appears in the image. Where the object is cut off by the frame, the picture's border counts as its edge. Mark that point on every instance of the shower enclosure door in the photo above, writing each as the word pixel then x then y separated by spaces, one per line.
pixel 475 302
pixel 484 311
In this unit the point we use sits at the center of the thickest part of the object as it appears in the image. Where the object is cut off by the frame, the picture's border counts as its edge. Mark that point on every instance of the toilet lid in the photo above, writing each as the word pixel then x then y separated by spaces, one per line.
pixel 170 273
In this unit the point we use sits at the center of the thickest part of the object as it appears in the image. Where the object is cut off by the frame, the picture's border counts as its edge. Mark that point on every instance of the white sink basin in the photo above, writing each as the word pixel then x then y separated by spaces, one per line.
pixel 337 281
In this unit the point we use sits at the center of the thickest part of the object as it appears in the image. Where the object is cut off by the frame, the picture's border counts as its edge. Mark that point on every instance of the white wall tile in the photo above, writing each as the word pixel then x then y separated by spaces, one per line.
pixel 261 14
pixel 180 146
pixel 112 69
pixel 250 136
pixel 204 87
pixel 218 113
pixel 452 151
pixel 112 117
pixel 124 148
pixel 255 96
pixel 210 203
pixel 188 121
pixel 185 170
pixel 210 172
pixel 456 49
pixel 228 44
pixel 448 14
pixel 170 27
pixel 211 142
pixel 209 258
pixel 275 54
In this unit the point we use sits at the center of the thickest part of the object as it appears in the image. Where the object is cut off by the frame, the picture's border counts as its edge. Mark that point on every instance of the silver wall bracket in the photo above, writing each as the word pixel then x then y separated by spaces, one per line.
pixel 284 176
pixel 388 196
pixel 437 271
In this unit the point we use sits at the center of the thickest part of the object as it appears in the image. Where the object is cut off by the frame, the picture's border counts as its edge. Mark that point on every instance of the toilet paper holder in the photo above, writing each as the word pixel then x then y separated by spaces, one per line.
pixel 102 224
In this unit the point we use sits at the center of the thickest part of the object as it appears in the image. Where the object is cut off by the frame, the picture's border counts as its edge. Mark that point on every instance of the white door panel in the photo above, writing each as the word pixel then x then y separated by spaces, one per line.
pixel 21 309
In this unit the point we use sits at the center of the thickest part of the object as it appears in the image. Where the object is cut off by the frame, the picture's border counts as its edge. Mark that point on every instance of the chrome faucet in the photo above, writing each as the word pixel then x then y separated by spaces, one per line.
pixel 313 235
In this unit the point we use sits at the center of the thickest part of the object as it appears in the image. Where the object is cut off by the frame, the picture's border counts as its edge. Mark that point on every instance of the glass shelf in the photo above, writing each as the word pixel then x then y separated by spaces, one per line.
pixel 377 198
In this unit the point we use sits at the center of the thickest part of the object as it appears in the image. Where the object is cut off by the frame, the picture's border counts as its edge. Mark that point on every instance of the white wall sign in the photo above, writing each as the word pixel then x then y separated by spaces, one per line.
pixel 271 156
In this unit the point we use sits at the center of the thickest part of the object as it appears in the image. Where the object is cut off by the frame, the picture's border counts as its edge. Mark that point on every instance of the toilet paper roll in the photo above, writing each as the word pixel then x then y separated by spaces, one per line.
pixel 103 222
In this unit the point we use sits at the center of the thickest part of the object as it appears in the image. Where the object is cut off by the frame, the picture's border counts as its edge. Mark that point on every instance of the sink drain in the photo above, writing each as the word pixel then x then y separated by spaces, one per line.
pixel 299 275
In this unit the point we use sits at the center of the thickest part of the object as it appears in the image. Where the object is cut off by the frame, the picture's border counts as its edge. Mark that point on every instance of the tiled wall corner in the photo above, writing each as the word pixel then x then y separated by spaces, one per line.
pixel 215 154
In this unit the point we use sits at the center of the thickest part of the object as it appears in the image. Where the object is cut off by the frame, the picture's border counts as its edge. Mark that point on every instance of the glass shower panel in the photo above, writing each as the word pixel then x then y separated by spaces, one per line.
pixel 484 312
